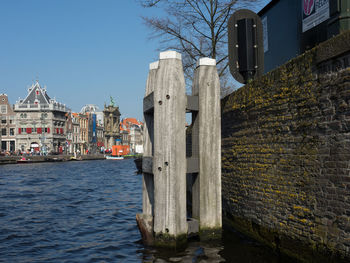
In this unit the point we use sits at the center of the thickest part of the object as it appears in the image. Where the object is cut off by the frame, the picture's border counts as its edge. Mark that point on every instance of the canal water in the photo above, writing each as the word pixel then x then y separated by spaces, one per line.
pixel 85 212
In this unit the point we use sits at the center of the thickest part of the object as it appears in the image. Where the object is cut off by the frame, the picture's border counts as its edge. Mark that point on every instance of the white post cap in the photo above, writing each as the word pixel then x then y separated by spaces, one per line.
pixel 154 65
pixel 206 62
pixel 169 54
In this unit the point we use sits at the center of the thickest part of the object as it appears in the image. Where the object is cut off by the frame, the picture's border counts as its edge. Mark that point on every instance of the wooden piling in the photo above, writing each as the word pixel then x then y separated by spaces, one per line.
pixel 169 161
pixel 148 138
pixel 206 191
pixel 163 221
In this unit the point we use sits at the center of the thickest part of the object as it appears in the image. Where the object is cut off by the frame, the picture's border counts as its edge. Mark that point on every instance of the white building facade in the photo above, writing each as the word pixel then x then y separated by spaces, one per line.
pixel 40 123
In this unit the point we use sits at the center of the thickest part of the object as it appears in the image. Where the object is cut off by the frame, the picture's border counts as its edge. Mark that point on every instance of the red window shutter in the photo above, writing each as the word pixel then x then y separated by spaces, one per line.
pixel 48 130
pixel 61 130
pixel 57 130
pixel 39 130
pixel 29 130
pixel 19 130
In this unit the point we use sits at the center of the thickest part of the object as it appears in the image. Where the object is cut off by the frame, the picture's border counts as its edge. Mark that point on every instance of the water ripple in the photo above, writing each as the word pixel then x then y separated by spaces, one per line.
pixel 85 212
pixel 69 212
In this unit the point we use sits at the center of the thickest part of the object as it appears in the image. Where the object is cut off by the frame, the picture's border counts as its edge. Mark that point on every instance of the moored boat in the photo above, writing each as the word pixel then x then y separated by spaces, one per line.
pixel 24 160
pixel 111 157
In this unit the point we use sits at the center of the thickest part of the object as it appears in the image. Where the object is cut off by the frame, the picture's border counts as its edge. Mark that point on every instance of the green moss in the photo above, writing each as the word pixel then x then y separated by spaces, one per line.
pixel 304 252
pixel 169 241
pixel 210 234
pixel 276 132
pixel 251 229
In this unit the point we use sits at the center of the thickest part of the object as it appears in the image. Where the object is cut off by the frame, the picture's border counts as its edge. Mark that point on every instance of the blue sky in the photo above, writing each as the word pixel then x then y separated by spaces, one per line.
pixel 83 50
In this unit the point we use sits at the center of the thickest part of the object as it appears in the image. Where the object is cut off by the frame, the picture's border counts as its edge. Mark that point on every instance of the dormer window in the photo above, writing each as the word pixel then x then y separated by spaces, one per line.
pixel 37 92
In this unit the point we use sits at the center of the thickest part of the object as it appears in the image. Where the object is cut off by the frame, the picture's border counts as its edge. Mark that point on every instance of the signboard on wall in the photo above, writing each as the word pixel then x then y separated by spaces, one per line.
pixel 245 45
pixel 314 13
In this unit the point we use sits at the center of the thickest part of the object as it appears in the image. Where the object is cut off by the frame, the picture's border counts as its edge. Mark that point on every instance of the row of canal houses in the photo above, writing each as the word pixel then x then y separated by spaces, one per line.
pixel 41 125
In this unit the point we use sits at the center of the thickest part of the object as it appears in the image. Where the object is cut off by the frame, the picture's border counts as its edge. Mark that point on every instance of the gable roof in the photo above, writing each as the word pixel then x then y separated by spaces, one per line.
pixel 36 94
pixel 131 120
pixel 127 123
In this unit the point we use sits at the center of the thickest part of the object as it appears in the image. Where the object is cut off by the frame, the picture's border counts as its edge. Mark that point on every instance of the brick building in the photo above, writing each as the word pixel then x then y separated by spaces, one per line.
pixel 7 124
pixel 131 131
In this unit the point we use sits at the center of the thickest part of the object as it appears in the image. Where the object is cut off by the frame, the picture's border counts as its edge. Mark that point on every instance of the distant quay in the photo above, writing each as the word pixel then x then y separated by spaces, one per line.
pixel 49 158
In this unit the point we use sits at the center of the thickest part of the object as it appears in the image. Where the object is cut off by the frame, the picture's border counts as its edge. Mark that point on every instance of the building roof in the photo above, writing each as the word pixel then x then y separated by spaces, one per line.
pixel 90 108
pixel 127 123
pixel 4 101
pixel 36 95
pixel 131 120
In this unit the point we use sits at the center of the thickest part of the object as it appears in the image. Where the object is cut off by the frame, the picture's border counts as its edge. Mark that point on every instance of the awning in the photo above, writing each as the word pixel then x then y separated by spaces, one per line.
pixel 34 145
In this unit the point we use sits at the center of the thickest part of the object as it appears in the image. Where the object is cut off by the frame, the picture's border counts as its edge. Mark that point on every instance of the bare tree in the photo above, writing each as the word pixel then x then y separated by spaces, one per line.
pixel 196 28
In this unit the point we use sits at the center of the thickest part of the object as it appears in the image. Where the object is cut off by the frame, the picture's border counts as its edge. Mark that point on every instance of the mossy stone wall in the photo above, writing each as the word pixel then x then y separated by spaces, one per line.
pixel 286 155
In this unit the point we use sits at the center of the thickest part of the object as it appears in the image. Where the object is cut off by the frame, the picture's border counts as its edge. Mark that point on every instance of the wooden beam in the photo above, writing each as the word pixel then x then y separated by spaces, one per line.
pixel 148 103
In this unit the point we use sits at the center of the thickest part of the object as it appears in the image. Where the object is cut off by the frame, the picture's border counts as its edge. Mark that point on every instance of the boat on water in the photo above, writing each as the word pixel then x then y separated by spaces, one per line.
pixel 111 157
pixel 24 160
pixel 118 152
pixel 74 158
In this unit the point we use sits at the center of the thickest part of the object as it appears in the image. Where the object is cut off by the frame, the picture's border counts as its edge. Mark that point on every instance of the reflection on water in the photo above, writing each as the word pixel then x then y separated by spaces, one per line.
pixel 195 252
pixel 85 212
pixel 233 248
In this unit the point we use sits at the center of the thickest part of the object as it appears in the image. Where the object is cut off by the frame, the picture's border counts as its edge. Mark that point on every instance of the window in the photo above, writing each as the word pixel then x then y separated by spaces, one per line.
pixel 12 146
pixel 12 119
pixel 3 132
pixel 12 131
pixel 3 120
pixel 3 109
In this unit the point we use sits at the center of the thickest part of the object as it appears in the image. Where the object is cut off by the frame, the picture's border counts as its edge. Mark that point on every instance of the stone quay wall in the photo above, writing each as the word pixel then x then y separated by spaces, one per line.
pixel 286 155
